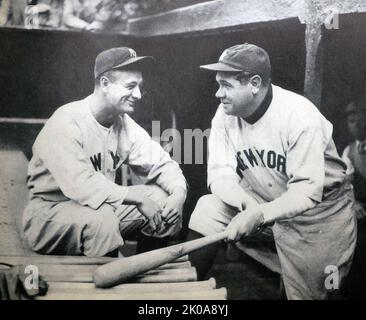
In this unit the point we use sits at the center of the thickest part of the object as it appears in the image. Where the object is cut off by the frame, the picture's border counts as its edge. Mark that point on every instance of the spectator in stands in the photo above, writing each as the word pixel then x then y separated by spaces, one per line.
pixel 91 15
pixel 37 16
pixel 12 12
pixel 355 157
pixel 43 14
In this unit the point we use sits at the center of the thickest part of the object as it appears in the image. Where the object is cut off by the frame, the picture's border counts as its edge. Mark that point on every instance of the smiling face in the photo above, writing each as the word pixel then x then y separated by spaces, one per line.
pixel 122 90
pixel 236 96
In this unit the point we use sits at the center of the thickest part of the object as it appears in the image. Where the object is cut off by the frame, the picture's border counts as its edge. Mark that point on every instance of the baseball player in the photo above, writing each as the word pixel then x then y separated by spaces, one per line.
pixel 355 157
pixel 272 160
pixel 355 153
pixel 75 207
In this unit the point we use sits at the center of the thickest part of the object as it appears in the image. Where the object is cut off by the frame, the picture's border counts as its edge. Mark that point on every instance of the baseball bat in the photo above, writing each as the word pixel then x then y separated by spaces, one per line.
pixel 117 272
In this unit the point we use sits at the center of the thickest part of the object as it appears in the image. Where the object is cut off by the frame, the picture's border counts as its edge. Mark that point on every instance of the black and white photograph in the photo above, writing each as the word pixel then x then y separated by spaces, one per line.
pixel 187 150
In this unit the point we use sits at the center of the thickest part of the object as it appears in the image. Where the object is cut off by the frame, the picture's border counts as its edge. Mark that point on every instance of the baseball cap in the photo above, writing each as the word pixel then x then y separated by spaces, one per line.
pixel 243 57
pixel 116 58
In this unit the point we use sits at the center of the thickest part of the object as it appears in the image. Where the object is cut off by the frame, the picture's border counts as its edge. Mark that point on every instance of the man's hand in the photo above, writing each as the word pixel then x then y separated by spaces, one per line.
pixel 172 205
pixel 149 208
pixel 152 211
pixel 245 223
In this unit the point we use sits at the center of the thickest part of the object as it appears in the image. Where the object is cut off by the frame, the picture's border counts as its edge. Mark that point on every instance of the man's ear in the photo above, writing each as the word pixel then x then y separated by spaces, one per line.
pixel 256 82
pixel 104 82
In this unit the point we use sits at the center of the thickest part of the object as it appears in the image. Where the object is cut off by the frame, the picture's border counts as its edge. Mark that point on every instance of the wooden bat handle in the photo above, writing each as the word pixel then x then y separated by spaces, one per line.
pixel 119 271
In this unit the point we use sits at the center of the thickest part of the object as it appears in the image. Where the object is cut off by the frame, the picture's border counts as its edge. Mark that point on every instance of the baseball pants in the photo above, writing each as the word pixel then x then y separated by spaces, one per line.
pixel 68 228
pixel 315 249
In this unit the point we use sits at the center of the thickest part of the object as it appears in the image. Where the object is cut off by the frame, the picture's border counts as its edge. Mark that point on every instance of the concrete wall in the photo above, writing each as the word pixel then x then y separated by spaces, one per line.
pixel 212 15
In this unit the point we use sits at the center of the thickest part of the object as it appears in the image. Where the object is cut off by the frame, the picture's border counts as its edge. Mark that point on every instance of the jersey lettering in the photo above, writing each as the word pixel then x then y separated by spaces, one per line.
pixel 261 155
pixel 251 157
pixel 281 163
pixel 240 165
pixel 96 160
pixel 269 159
pixel 115 159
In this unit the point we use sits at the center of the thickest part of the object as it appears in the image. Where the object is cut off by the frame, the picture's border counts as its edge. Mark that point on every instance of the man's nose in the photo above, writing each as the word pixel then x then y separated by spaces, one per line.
pixel 136 93
pixel 219 93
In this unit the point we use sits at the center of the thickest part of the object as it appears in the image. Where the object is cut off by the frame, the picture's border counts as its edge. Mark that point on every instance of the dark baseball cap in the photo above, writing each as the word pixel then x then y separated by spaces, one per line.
pixel 243 57
pixel 116 58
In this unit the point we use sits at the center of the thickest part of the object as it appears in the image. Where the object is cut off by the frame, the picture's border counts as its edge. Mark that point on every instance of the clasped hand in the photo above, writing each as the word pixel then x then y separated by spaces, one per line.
pixel 172 206
pixel 167 210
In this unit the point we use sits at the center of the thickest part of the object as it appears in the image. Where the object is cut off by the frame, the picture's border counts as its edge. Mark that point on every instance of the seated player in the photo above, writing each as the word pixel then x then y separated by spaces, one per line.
pixel 355 157
pixel 272 160
pixel 76 208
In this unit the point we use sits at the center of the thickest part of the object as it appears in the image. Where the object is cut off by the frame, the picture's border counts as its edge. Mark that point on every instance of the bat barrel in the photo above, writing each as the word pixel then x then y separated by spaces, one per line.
pixel 124 269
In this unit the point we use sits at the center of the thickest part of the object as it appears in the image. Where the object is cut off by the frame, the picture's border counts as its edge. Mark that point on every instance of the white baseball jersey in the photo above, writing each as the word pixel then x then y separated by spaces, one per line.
pixel 287 156
pixel 74 157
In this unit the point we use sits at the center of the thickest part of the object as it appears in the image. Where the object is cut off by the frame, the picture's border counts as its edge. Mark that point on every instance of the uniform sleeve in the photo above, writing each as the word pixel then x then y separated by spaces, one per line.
pixel 148 159
pixel 305 171
pixel 222 157
pixel 60 148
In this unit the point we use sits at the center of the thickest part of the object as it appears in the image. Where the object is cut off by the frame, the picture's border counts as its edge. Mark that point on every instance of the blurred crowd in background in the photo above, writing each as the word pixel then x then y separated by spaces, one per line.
pixel 88 15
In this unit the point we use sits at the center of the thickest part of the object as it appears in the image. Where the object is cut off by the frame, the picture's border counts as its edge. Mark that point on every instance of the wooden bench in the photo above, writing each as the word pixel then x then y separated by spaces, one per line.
pixel 71 277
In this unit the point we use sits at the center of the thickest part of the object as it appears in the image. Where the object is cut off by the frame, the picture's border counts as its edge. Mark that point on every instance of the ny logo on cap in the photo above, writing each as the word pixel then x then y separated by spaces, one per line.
pixel 132 53
pixel 223 55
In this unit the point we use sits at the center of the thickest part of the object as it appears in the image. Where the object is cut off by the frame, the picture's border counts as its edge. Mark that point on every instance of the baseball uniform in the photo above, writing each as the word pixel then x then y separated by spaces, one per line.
pixel 355 157
pixel 75 206
pixel 285 157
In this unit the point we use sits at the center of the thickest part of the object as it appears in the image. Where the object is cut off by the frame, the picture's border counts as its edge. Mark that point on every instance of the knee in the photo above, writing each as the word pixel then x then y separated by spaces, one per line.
pixel 101 235
pixel 204 207
pixel 206 202
pixel 103 223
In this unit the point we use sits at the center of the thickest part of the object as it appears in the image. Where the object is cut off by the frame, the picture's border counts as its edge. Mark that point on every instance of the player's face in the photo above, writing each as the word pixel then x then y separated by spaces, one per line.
pixel 124 91
pixel 357 125
pixel 236 97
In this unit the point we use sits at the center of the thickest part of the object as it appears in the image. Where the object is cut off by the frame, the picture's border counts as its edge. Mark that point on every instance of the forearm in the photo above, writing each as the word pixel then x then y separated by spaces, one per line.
pixel 230 192
pixel 134 195
pixel 289 205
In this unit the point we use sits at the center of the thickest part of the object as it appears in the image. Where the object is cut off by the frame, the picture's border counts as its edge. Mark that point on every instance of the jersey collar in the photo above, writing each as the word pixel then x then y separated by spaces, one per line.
pixel 257 114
